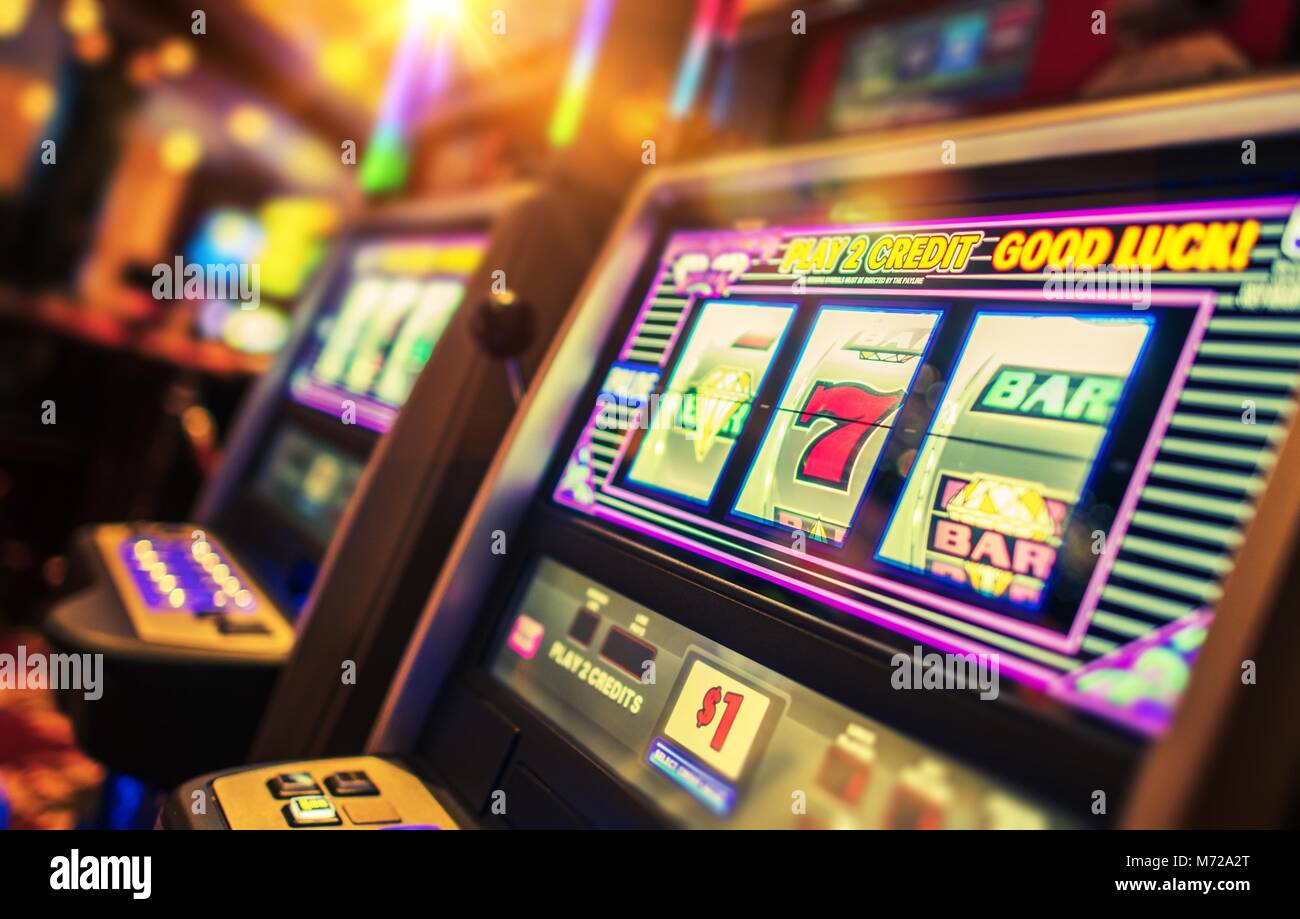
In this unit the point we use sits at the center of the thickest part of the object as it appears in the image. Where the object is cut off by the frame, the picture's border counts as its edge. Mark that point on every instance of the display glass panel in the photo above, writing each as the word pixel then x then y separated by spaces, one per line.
pixel 1012 448
pixel 365 352
pixel 709 396
pixel 1032 434
pixel 308 480
pixel 714 738
pixel 926 67
pixel 822 445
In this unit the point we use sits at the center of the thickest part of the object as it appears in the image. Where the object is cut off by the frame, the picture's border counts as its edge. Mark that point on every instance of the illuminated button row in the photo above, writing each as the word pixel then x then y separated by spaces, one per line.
pixel 175 575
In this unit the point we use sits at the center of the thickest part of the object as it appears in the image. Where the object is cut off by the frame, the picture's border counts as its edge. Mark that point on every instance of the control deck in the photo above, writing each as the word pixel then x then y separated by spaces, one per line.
pixel 346 793
pixel 180 586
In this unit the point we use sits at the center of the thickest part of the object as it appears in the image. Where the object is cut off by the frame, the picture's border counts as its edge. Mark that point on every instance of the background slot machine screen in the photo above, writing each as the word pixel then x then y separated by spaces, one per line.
pixel 935 65
pixel 286 240
pixel 377 327
pixel 366 353
pixel 308 480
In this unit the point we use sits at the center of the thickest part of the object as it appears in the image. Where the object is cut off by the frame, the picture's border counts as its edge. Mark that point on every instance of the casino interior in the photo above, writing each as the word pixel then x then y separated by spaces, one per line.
pixel 472 414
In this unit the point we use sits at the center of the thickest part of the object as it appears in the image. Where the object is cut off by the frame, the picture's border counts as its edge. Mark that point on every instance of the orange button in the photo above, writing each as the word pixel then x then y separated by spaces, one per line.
pixel 370 811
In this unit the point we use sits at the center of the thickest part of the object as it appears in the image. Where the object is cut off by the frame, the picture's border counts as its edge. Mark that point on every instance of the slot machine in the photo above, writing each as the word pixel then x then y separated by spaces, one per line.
pixel 452 294
pixel 801 72
pixel 936 480
pixel 204 609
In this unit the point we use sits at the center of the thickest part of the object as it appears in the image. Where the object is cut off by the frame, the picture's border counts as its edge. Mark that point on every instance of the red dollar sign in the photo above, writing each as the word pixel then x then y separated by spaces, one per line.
pixel 709 708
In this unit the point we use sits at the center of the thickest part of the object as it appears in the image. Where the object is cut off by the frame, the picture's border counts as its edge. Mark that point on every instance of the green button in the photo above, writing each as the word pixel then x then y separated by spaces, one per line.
pixel 312 810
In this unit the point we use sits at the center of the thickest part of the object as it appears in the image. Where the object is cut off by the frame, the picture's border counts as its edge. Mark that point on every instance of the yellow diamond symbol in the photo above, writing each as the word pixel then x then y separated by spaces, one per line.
pixel 717 397
pixel 988 580
pixel 1006 507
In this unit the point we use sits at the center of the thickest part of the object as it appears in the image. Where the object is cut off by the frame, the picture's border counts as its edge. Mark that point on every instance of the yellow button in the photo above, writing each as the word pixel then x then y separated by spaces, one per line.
pixel 176 597
pixel 244 598
pixel 167 583
pixel 231 586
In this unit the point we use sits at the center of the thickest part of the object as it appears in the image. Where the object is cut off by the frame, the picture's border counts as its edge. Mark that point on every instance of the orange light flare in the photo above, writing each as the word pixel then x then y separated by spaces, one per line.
pixel 143 69
pixel 466 24
pixel 92 47
pixel 37 102
pixel 175 57
pixel 181 150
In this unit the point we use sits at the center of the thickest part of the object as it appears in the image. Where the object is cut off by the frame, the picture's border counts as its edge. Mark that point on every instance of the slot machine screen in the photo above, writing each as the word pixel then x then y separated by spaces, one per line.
pixel 284 243
pixel 1021 424
pixel 308 480
pixel 365 354
pixel 382 313
pixel 933 66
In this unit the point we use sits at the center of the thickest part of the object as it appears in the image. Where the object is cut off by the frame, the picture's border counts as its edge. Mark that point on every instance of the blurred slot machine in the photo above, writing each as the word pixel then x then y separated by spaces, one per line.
pixel 436 304
pixel 205 173
pixel 809 71
pixel 286 240
pixel 215 597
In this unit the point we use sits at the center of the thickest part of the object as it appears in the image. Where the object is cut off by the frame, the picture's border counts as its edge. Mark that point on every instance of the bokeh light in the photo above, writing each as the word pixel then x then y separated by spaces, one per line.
pixel 343 63
pixel 249 124
pixel 13 16
pixel 181 150
pixel 92 47
pixel 82 16
pixel 37 102
pixel 175 57
pixel 143 69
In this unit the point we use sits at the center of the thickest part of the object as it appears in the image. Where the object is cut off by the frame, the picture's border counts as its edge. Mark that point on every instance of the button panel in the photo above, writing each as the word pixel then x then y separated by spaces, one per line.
pixel 173 571
pixel 343 793
pixel 181 587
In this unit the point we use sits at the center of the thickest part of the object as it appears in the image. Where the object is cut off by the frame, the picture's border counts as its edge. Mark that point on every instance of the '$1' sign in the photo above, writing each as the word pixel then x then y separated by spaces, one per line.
pixel 731 702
